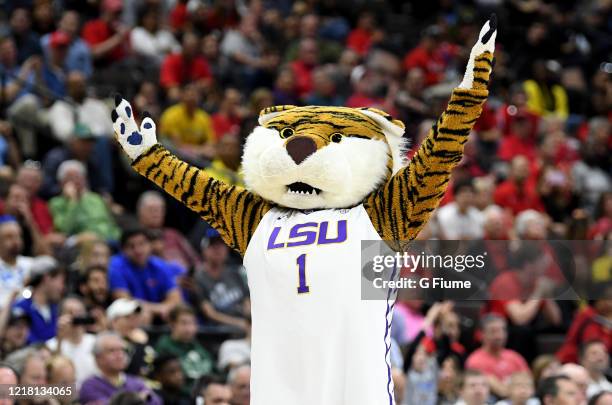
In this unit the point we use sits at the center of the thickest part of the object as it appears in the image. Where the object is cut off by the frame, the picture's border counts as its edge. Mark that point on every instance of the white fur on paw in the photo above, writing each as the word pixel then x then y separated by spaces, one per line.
pixel 133 141
pixel 478 49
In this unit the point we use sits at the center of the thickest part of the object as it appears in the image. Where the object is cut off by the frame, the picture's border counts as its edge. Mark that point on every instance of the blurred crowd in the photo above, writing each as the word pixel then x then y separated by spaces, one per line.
pixel 107 284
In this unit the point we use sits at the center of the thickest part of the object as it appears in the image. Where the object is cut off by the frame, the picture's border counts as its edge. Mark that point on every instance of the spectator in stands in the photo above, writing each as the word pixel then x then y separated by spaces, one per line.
pixel 78 209
pixel 188 126
pixel 47 283
pixel 93 288
pixel 594 357
pixel 182 342
pixel 603 217
pixel 523 296
pixel 111 359
pixel 17 75
pixel 79 55
pixel 33 370
pixel 92 253
pixel 228 118
pixel 14 268
pixel 30 177
pixel 428 56
pixel 150 40
pixel 221 293
pixel 374 83
pixel 474 388
pixel 54 66
pixel 135 273
pixel 545 365
pixel 304 65
pixel 151 212
pixel 544 93
pixel 324 88
pixel 186 67
pixel 79 146
pixel 226 166
pixel 589 324
pixel 365 34
pixel 520 390
pixel 17 205
pixel 519 192
pixel 14 333
pixel 213 390
pixel 285 90
pixel 422 361
pixel 580 376
pixel 492 359
pixel 61 372
pixel 460 219
pixel 107 36
pixel 71 339
pixel 310 28
pixel 558 390
pixel 238 380
pixel 168 372
pixel 41 83
pixel 125 318
pixel 244 48
pixel 27 41
pixel 411 99
pixel 8 376
pixel 519 140
pixel 64 115
pixel 235 352
pixel 591 173
pixel 43 18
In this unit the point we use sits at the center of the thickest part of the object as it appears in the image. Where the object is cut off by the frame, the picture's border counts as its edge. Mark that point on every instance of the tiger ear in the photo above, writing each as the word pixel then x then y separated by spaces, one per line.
pixel 386 121
pixel 270 112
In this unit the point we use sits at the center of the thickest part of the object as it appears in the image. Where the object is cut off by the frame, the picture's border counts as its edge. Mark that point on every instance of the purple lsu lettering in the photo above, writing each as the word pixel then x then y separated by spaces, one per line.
pixel 307 234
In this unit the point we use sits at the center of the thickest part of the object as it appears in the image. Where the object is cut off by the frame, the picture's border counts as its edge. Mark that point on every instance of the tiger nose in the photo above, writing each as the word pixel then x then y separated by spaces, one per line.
pixel 300 147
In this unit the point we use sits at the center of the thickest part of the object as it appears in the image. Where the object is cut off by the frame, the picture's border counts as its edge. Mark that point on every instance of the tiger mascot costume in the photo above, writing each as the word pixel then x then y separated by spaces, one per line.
pixel 319 181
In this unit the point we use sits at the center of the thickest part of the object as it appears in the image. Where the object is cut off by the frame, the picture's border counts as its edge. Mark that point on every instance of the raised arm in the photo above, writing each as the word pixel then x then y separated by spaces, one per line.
pixel 403 205
pixel 232 211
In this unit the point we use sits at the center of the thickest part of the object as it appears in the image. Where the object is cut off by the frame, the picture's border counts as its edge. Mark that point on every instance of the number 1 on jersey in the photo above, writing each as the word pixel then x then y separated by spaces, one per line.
pixel 301 262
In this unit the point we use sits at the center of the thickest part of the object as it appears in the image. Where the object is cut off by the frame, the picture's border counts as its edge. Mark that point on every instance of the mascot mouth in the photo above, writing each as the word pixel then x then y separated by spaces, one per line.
pixel 302 188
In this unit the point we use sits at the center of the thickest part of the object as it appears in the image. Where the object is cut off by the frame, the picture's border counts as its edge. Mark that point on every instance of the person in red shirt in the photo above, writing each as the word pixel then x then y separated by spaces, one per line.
pixel 492 359
pixel 107 36
pixel 520 295
pixel 185 67
pixel 30 177
pixel 432 55
pixel 365 34
pixel 519 141
pixel 517 107
pixel 303 66
pixel 230 115
pixel 519 192
pixel 592 323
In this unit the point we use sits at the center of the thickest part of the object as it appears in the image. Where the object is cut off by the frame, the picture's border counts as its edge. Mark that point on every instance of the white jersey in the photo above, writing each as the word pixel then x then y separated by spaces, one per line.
pixel 314 340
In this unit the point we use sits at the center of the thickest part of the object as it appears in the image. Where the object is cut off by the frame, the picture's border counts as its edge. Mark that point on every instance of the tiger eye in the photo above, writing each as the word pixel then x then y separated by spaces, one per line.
pixel 286 133
pixel 336 137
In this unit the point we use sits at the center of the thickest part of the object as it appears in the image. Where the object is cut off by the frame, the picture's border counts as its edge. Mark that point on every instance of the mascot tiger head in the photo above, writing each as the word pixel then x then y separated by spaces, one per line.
pixel 322 157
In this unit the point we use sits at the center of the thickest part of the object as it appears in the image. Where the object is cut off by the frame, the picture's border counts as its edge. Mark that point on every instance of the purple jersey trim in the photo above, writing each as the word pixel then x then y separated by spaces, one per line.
pixel 387 331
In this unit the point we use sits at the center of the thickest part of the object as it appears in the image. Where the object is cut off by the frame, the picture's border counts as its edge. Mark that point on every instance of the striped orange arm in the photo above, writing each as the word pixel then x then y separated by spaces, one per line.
pixel 403 205
pixel 233 211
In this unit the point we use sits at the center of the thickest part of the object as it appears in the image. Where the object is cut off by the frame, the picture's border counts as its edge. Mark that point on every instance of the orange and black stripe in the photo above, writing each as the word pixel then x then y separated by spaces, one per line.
pixel 404 204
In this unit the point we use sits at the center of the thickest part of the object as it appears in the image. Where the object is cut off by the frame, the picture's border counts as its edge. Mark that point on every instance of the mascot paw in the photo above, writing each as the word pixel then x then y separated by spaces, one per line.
pixel 480 63
pixel 133 140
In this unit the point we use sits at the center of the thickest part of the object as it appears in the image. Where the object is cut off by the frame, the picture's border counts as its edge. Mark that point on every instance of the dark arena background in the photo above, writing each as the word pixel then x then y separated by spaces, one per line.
pixel 75 217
